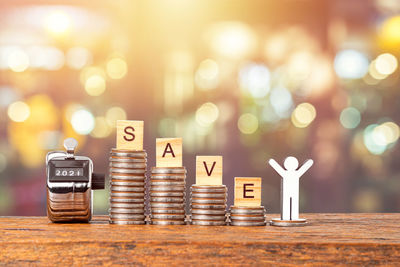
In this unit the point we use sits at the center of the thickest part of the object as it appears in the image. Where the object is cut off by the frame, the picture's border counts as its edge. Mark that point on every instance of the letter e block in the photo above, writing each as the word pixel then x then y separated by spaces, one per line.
pixel 169 152
pixel 130 135
pixel 247 191
pixel 209 170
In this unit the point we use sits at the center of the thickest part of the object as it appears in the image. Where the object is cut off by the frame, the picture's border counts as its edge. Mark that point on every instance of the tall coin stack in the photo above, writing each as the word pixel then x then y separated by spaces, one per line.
pixel 208 204
pixel 247 216
pixel 167 195
pixel 127 186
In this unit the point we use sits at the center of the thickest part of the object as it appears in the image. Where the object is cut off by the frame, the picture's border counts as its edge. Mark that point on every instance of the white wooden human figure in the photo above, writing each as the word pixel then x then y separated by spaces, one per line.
pixel 290 185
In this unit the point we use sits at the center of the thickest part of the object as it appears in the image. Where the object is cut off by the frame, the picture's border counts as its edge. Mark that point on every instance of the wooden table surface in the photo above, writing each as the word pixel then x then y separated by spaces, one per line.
pixel 336 239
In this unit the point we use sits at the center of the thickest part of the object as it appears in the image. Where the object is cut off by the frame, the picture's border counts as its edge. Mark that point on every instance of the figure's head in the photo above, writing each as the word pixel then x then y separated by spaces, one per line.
pixel 291 163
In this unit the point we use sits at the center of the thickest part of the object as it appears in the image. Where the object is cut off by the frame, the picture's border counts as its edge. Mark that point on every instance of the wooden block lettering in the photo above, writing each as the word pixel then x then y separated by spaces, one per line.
pixel 247 191
pixel 169 152
pixel 130 135
pixel 209 170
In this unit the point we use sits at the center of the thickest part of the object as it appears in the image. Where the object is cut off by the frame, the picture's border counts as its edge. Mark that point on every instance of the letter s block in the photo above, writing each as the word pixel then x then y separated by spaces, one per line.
pixel 130 135
pixel 168 152
pixel 247 191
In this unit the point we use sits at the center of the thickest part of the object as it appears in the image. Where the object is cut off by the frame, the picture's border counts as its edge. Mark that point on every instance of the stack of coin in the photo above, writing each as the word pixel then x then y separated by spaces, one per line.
pixel 127 186
pixel 208 204
pixel 247 216
pixel 167 195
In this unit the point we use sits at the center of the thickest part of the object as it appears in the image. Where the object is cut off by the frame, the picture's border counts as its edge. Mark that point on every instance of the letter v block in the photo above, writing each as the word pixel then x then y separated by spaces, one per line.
pixel 247 191
pixel 168 152
pixel 209 170
pixel 130 135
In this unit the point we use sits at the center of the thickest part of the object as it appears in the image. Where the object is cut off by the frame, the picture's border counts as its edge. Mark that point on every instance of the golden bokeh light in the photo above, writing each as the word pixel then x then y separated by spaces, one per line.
pixel 207 114
pixel 58 23
pixel 95 85
pixel 232 40
pixel 18 60
pixel 116 68
pixel 303 115
pixel 390 34
pixel 206 76
pixel 114 114
pixel 248 123
pixel 18 111
pixel 386 64
pixel 78 57
pixel 101 129
pixel 374 73
pixel 87 72
pixel 386 133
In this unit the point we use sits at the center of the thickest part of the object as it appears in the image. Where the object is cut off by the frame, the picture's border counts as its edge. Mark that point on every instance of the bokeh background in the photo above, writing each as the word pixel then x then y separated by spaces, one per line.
pixel 247 80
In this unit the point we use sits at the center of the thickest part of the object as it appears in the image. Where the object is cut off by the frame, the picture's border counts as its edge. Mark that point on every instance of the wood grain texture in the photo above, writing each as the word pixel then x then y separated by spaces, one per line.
pixel 330 239
pixel 247 191
pixel 208 170
pixel 168 152
pixel 130 135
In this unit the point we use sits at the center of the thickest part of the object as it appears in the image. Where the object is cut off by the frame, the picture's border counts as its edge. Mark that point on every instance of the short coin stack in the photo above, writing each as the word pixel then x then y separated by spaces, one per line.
pixel 247 216
pixel 208 204
pixel 167 195
pixel 127 186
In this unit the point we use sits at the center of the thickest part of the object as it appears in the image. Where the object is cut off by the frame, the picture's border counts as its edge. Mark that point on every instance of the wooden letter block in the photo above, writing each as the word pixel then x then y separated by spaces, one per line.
pixel 247 191
pixel 169 152
pixel 209 170
pixel 130 135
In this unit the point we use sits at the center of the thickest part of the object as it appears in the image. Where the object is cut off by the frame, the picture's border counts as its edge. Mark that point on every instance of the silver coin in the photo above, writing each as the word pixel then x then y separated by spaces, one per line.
pixel 167 183
pixel 126 222
pixel 167 199
pixel 128 177
pixel 168 175
pixel 167 188
pixel 126 200
pixel 168 222
pixel 208 217
pixel 168 170
pixel 167 211
pixel 209 223
pixel 118 188
pixel 168 216
pixel 164 178
pixel 167 194
pixel 135 171
pixel 167 205
pixel 241 223
pixel 125 165
pixel 205 195
pixel 208 201
pixel 205 206
pixel 127 216
pixel 140 184
pixel 127 205
pixel 128 211
pixel 127 160
pixel 127 194
pixel 247 208
pixel 247 212
pixel 247 218
pixel 288 223
pixel 208 188
pixel 128 153
pixel 208 212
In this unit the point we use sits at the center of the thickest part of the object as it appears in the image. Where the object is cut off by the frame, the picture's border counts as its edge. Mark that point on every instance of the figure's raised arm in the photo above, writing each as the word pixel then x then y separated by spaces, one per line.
pixel 305 167
pixel 275 165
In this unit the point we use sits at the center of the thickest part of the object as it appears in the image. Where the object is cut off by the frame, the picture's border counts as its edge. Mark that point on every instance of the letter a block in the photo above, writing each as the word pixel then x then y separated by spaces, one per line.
pixel 169 152
pixel 130 135
pixel 209 170
pixel 247 191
